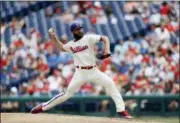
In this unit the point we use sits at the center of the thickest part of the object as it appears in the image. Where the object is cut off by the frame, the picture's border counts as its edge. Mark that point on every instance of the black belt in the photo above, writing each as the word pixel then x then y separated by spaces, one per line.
pixel 85 67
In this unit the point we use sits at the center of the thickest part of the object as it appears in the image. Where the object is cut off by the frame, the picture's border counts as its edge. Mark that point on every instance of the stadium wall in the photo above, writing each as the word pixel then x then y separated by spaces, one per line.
pixel 80 105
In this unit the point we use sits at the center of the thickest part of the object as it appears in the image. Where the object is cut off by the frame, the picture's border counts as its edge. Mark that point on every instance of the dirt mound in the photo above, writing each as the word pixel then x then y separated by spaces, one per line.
pixel 55 118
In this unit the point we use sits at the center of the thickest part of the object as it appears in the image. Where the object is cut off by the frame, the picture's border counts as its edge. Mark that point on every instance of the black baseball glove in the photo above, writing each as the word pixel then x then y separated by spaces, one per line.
pixel 102 56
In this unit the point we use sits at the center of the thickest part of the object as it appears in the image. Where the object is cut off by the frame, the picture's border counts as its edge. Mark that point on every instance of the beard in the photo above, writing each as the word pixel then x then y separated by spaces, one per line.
pixel 78 36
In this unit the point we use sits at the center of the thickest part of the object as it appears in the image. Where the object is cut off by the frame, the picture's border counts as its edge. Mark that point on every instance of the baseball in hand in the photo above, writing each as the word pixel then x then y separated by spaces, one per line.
pixel 51 30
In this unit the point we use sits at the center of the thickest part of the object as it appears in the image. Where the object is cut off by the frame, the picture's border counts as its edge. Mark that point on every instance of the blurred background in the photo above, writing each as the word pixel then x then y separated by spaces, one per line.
pixel 144 64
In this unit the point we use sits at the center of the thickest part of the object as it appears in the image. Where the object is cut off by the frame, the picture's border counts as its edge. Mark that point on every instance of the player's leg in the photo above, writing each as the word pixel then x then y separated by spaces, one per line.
pixel 74 85
pixel 111 89
pixel 108 83
pixel 62 97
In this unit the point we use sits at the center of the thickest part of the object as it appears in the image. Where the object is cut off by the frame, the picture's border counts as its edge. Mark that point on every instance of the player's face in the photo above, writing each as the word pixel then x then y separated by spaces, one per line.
pixel 78 33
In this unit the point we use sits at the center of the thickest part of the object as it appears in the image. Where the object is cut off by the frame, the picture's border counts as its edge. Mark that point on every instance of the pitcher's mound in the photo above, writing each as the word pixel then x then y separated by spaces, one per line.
pixel 55 118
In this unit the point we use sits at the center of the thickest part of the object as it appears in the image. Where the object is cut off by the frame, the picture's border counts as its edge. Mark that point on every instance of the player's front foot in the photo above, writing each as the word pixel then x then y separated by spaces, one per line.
pixel 37 109
pixel 125 114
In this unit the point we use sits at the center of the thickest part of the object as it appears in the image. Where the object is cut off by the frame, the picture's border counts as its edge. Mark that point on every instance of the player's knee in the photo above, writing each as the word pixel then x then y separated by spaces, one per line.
pixel 110 87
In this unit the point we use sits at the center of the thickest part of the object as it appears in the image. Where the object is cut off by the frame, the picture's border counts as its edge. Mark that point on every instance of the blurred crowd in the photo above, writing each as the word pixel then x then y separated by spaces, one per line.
pixel 141 65
pixel 95 11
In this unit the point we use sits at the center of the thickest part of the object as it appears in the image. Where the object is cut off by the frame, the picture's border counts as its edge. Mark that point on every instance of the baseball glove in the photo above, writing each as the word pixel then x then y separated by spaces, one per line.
pixel 102 56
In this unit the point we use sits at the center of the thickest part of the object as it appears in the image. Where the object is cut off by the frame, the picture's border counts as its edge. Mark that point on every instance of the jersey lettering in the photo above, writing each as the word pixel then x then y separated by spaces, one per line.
pixel 78 48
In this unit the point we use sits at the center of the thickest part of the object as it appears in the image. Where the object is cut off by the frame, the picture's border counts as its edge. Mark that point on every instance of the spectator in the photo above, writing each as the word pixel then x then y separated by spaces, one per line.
pixel 162 33
pixel 3 27
pixel 155 18
pixel 34 39
pixel 130 43
pixel 75 8
pixel 157 90
pixel 120 47
pixel 84 6
pixel 56 82
pixel 113 19
pixel 4 49
pixel 101 18
pixel 144 9
pixel 67 17
pixel 17 24
pixel 165 9
pixel 42 65
pixel 108 10
pixel 117 57
pixel 131 10
pixel 49 12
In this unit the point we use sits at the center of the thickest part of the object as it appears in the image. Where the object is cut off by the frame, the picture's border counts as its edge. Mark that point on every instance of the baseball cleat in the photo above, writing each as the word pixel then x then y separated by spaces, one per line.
pixel 125 114
pixel 37 109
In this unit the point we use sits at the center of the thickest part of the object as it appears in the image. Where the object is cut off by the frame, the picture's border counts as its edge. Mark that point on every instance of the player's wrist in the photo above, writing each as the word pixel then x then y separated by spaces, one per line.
pixel 107 52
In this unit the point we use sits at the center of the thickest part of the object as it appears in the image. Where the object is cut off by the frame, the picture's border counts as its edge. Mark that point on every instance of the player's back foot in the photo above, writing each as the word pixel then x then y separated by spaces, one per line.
pixel 125 114
pixel 37 109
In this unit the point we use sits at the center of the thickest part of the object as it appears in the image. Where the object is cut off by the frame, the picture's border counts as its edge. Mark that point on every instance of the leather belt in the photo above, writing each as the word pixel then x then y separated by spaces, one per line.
pixel 85 67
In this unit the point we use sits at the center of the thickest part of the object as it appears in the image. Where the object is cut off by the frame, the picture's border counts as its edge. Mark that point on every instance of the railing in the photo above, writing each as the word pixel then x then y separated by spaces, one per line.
pixel 82 100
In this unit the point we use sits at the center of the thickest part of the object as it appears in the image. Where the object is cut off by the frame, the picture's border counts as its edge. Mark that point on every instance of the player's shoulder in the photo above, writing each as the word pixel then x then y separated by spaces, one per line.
pixel 90 34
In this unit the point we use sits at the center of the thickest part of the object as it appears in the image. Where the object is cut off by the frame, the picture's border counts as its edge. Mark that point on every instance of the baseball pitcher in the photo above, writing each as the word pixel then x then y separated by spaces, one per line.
pixel 82 49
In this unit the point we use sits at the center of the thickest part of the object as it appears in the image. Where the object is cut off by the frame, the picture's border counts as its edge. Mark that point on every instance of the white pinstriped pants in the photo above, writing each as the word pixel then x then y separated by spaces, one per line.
pixel 82 76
